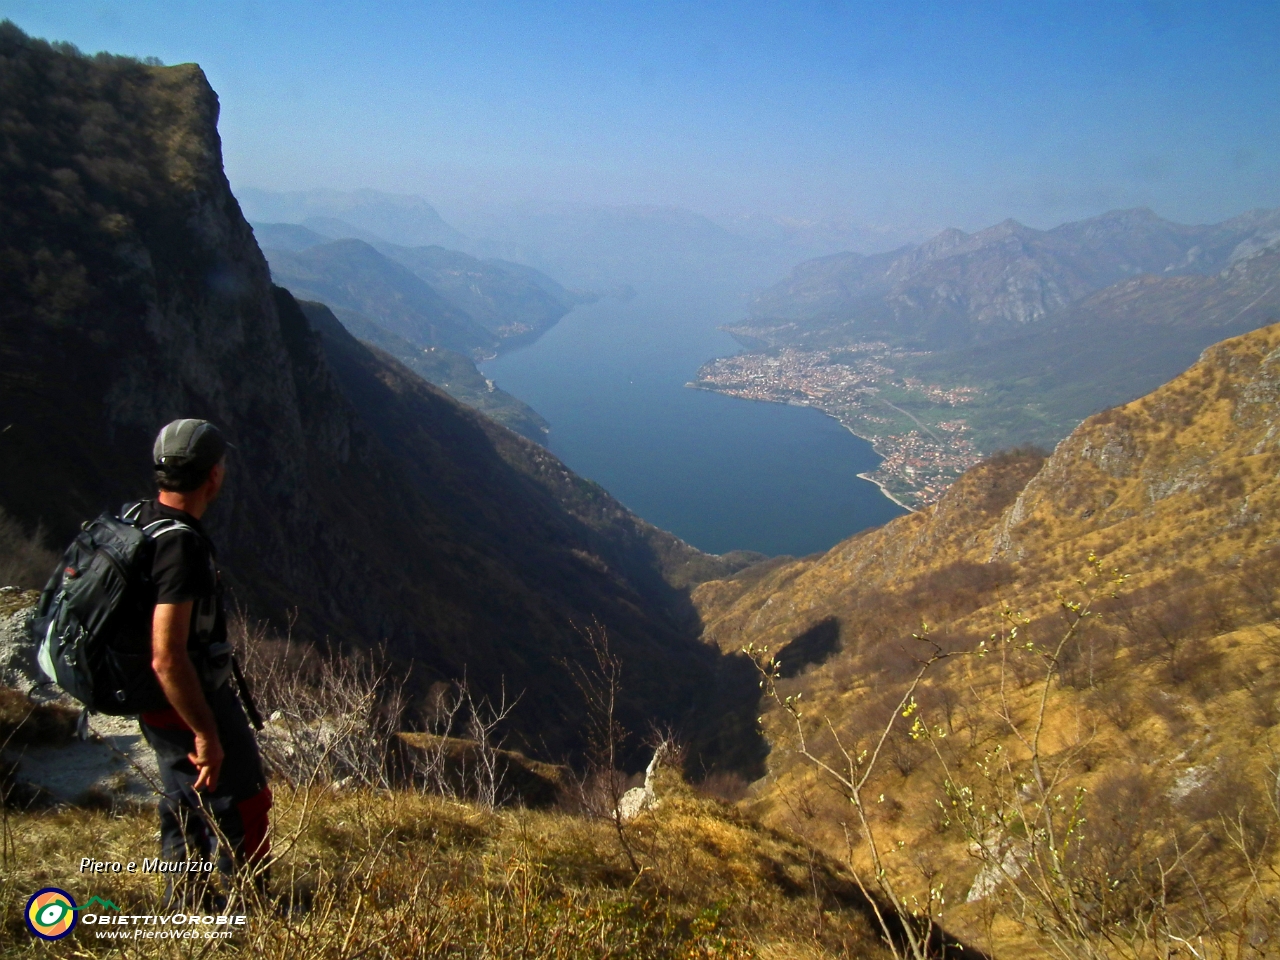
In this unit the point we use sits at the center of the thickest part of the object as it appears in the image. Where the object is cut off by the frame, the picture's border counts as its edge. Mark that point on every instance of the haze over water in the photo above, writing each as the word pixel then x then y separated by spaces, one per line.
pixel 721 473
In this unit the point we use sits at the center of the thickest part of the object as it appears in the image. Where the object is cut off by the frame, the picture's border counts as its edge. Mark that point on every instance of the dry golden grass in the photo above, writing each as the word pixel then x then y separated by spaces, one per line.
pixel 397 874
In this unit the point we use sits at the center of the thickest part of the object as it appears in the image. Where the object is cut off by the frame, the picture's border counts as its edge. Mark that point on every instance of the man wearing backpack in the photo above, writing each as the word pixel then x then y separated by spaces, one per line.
pixel 216 794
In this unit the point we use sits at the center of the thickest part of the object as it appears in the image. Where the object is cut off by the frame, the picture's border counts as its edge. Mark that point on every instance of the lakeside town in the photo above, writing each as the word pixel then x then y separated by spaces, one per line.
pixel 924 451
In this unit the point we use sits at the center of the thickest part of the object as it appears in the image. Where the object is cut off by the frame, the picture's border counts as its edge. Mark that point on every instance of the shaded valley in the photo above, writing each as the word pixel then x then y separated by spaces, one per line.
pixel 365 505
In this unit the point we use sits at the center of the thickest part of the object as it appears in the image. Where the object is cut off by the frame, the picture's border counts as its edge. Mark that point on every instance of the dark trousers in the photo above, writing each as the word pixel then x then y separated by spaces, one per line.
pixel 237 807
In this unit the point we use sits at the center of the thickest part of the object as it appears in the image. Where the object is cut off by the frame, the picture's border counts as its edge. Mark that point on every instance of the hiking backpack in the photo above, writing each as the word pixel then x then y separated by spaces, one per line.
pixel 92 625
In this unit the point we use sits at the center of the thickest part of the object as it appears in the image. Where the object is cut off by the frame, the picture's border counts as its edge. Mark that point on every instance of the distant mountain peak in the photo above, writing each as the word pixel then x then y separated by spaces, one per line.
pixel 944 242
pixel 1003 230
pixel 1131 215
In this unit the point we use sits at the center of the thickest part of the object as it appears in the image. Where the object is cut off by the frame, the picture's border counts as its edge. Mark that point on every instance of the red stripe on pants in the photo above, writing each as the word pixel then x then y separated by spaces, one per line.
pixel 253 814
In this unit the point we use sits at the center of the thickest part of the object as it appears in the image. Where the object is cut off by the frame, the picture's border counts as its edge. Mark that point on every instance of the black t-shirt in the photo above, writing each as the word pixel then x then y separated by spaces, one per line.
pixel 185 568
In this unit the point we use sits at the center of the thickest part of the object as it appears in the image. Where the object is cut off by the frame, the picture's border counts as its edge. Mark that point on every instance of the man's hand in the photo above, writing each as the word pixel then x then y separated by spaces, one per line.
pixel 181 685
pixel 207 759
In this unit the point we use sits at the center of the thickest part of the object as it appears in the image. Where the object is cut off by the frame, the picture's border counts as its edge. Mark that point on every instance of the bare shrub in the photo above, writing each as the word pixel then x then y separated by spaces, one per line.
pixel 890 658
pixel 958 588
pixel 598 793
pixel 330 714
pixel 25 560
pixel 1158 618
pixel 1194 663
pixel 724 785
pixel 845 674
pixel 1118 704
pixel 1258 580
pixel 464 757
pixel 1230 812
pixel 1116 865
pixel 1264 702
pixel 1170 709
pixel 1090 657
pixel 903 752
pixel 599 679
pixel 333 717
pixel 1220 600
pixel 908 930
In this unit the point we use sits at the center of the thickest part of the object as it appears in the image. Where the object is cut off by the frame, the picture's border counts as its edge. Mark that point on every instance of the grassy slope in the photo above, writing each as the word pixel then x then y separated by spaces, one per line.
pixel 395 875
pixel 1176 679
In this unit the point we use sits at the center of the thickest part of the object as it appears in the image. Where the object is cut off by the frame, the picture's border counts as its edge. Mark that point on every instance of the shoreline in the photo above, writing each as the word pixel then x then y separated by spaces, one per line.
pixel 866 476
pixel 692 384
pixel 883 489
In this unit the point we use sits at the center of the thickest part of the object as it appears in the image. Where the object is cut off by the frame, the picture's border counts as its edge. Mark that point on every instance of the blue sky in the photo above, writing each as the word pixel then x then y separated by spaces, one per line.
pixel 906 115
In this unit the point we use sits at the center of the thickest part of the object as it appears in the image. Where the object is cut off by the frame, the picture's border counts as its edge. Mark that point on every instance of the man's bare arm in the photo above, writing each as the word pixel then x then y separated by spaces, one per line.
pixel 181 685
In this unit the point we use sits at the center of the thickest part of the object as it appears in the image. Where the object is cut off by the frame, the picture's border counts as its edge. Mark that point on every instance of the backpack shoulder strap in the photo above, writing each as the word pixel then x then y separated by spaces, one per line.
pixel 158 528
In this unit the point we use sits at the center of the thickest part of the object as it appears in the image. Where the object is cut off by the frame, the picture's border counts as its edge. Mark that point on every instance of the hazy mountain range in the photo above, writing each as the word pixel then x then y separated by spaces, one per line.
pixel 364 214
pixel 589 246
pixel 959 288
pixel 1035 329
pixel 1108 347
pixel 435 310
pixel 429 295
pixel 351 275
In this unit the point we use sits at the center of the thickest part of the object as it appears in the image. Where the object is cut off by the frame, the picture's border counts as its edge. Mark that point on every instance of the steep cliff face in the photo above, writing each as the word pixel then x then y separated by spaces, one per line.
pixel 361 500
pixel 129 278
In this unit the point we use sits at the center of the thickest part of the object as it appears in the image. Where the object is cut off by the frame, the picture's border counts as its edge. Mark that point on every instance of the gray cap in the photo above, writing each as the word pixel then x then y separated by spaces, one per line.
pixel 189 444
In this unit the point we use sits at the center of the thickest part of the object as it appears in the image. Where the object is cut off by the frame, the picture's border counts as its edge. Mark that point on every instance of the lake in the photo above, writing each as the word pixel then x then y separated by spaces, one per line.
pixel 719 472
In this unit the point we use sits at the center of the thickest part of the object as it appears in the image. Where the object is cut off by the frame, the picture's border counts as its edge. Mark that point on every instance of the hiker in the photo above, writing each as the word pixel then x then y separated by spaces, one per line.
pixel 215 793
